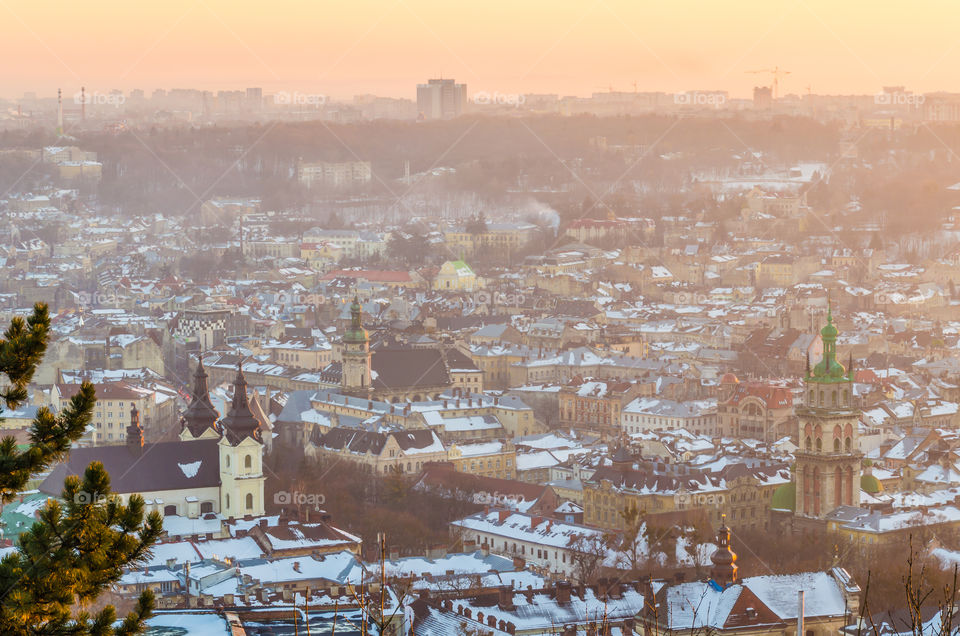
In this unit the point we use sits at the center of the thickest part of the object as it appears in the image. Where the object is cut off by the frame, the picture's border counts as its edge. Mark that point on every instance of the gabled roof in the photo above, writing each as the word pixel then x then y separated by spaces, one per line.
pixel 408 368
pixel 161 466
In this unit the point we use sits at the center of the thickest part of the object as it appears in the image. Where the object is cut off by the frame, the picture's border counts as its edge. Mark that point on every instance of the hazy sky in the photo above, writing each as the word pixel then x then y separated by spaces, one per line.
pixel 561 46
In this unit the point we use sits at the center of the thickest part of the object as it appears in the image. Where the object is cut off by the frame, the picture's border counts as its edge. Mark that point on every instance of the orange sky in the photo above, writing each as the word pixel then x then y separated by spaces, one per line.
pixel 568 47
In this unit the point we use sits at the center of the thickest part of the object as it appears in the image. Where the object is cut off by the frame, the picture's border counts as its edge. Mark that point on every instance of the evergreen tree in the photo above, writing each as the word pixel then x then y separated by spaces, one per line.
pixel 477 224
pixel 77 547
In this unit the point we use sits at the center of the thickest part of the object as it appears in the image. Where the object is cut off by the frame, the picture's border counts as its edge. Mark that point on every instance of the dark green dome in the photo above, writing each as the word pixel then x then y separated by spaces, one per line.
pixel 829 330
pixel 784 497
pixel 829 369
pixel 870 484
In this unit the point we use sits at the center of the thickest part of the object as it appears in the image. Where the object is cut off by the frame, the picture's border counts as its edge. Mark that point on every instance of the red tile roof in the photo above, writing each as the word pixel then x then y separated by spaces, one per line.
pixel 774 397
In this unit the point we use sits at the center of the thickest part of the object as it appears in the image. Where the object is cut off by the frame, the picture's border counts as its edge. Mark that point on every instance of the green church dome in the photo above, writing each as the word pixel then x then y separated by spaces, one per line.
pixel 870 484
pixel 784 497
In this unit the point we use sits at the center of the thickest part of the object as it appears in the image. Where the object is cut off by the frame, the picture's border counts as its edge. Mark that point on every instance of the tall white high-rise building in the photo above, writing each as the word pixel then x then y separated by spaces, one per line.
pixel 441 99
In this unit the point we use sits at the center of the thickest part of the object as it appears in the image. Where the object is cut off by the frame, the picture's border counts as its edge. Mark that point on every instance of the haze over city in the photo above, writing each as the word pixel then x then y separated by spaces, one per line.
pixel 570 48
pixel 416 318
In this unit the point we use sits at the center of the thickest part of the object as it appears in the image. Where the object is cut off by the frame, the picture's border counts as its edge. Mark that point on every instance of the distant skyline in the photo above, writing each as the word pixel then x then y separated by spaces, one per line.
pixel 564 47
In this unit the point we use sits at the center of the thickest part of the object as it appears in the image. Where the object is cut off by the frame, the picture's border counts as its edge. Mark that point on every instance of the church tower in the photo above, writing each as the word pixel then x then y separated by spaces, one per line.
pixel 199 421
pixel 828 461
pixel 355 376
pixel 241 457
pixel 724 571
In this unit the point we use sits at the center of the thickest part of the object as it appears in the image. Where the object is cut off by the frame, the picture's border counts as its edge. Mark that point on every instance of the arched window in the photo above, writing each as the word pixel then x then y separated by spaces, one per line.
pixel 819 444
pixel 833 398
pixel 846 397
pixel 227 499
pixel 248 462
pixel 228 461
pixel 836 444
pixel 249 501
pixel 846 444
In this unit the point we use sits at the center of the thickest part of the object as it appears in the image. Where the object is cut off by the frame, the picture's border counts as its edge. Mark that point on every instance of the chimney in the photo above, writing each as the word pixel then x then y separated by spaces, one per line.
pixel 535 521
pixel 800 611
pixel 506 598
pixel 519 563
pixel 503 515
pixel 563 592
pixel 602 585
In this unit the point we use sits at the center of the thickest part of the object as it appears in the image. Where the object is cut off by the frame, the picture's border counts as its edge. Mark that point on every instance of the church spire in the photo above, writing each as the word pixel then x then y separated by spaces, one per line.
pixel 200 414
pixel 356 334
pixel 135 432
pixel 240 422
pixel 828 369
pixel 724 570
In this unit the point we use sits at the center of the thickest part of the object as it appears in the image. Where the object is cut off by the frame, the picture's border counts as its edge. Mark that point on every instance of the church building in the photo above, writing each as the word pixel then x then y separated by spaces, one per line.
pixel 215 467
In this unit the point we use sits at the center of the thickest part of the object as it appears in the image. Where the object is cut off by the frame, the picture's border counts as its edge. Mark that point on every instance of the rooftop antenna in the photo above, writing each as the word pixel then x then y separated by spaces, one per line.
pixel 59 113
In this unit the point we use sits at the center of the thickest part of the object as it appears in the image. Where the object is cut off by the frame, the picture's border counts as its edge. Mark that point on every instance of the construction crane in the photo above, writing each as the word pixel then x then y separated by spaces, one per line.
pixel 777 73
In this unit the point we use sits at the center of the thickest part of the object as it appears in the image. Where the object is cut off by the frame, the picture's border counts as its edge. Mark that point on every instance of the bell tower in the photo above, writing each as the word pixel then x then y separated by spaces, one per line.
pixel 828 461
pixel 355 359
pixel 241 456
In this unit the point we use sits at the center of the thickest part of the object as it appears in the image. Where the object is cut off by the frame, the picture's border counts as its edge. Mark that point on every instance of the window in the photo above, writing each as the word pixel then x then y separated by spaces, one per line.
pixel 228 463
pixel 227 498
pixel 248 462
pixel 249 501
pixel 206 506
pixel 169 510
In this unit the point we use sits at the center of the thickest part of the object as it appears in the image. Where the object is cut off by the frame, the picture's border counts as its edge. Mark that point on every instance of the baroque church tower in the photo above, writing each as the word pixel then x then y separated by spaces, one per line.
pixel 828 461
pixel 241 456
pixel 199 421
pixel 355 376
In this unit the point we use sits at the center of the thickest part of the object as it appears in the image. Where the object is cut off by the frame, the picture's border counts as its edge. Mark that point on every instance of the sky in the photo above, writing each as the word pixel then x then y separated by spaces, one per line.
pixel 569 47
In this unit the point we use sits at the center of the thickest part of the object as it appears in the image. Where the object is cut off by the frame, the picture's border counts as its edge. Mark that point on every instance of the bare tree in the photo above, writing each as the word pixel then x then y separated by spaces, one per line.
pixel 588 553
